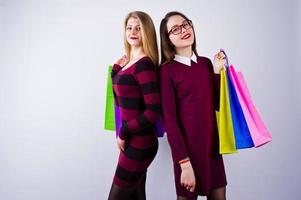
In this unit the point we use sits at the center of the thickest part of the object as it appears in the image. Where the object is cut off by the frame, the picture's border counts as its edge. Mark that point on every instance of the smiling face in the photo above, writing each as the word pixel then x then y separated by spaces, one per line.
pixel 180 31
pixel 133 31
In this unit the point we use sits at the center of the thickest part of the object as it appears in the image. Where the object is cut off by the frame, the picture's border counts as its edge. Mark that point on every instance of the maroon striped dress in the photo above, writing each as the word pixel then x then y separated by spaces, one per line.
pixel 136 93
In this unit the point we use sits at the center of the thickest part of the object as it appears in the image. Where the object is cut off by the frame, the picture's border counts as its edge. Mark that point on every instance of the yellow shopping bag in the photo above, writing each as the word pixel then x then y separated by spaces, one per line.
pixel 224 119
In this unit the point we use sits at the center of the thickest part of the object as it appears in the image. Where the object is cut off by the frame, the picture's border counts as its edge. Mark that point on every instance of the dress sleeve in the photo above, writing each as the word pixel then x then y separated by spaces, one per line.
pixel 216 85
pixel 146 76
pixel 217 78
pixel 116 68
pixel 174 134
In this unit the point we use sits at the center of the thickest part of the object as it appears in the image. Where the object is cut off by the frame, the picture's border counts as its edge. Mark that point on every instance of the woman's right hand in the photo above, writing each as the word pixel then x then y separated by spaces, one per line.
pixel 187 176
pixel 122 61
pixel 120 144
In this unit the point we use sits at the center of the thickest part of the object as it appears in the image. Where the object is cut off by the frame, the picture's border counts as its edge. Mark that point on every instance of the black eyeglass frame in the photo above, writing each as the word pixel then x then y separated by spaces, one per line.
pixel 184 23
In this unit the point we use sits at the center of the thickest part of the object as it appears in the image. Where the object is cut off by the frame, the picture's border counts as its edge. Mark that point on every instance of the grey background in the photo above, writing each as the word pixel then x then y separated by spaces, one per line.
pixel 53 64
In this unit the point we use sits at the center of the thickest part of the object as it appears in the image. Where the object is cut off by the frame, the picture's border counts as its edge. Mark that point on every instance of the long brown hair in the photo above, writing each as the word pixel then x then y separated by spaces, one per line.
pixel 148 33
pixel 168 50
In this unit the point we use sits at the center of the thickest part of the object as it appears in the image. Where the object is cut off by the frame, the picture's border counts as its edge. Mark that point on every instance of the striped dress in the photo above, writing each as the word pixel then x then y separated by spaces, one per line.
pixel 136 93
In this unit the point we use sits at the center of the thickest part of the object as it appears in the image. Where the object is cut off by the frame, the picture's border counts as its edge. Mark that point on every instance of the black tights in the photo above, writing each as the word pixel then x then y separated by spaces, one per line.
pixel 215 194
pixel 186 198
pixel 136 193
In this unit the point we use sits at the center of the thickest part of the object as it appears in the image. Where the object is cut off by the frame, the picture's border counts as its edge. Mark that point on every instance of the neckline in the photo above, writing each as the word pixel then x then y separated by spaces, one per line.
pixel 187 61
pixel 133 64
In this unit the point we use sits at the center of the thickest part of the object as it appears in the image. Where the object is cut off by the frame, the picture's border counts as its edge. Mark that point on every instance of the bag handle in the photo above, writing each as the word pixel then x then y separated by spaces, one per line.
pixel 226 57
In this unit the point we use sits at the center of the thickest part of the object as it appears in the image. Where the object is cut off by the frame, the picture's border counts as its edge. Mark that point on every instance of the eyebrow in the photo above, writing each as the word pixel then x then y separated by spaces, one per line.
pixel 178 24
pixel 133 25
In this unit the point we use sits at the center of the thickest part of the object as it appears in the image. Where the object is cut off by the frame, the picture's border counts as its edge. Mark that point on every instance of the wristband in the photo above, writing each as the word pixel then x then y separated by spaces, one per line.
pixel 184 161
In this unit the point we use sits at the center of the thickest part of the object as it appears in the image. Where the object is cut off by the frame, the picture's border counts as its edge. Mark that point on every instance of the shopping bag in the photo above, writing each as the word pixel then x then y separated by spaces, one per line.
pixel 118 122
pixel 241 131
pixel 109 122
pixel 224 119
pixel 159 127
pixel 259 133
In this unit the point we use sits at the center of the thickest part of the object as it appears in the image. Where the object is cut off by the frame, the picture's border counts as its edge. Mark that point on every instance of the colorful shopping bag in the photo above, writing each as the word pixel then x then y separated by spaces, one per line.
pixel 109 110
pixel 259 133
pixel 118 122
pixel 241 131
pixel 159 127
pixel 224 119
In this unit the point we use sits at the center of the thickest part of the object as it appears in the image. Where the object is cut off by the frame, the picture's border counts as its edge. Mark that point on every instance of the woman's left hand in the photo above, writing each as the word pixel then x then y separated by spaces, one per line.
pixel 219 62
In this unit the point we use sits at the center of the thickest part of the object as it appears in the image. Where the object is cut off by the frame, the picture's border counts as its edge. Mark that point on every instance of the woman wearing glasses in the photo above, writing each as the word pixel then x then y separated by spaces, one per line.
pixel 135 86
pixel 189 86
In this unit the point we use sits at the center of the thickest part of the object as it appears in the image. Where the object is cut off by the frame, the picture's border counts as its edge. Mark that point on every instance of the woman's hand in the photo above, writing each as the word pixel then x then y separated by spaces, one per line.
pixel 120 144
pixel 122 61
pixel 187 176
pixel 219 62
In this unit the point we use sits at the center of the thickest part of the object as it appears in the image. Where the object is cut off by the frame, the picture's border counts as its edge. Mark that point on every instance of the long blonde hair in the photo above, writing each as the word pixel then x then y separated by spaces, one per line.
pixel 148 32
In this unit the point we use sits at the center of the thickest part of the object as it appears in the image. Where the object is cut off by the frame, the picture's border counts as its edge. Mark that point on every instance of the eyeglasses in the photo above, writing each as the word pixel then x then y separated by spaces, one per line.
pixel 177 29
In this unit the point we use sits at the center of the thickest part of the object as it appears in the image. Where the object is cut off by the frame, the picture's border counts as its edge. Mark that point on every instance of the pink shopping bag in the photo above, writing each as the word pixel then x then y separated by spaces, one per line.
pixel 259 133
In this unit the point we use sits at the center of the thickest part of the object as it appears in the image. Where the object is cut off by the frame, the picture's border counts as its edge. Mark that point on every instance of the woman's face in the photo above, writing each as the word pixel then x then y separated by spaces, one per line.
pixel 180 31
pixel 133 32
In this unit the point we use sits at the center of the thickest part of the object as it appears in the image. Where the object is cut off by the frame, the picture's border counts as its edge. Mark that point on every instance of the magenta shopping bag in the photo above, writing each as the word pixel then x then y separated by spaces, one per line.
pixel 259 133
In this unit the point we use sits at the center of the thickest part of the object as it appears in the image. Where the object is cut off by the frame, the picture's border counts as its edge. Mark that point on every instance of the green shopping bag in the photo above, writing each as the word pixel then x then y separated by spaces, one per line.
pixel 109 111
pixel 224 119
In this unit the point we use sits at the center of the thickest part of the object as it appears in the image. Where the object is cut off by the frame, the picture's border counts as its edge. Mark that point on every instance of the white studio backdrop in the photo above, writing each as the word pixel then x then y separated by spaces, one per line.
pixel 53 64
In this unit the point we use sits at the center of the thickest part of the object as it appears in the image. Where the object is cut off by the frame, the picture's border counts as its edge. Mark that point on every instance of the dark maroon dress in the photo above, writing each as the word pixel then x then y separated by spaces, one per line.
pixel 189 98
pixel 136 92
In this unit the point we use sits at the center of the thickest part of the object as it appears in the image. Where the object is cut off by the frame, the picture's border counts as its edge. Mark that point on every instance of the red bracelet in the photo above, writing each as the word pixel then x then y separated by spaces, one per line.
pixel 183 161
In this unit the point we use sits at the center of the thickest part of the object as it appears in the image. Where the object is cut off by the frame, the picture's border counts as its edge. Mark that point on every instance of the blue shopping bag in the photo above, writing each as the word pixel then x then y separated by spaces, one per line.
pixel 242 134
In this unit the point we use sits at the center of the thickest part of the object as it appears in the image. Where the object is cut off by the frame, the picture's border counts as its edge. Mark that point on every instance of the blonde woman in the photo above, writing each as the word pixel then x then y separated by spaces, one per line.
pixel 135 89
pixel 189 86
